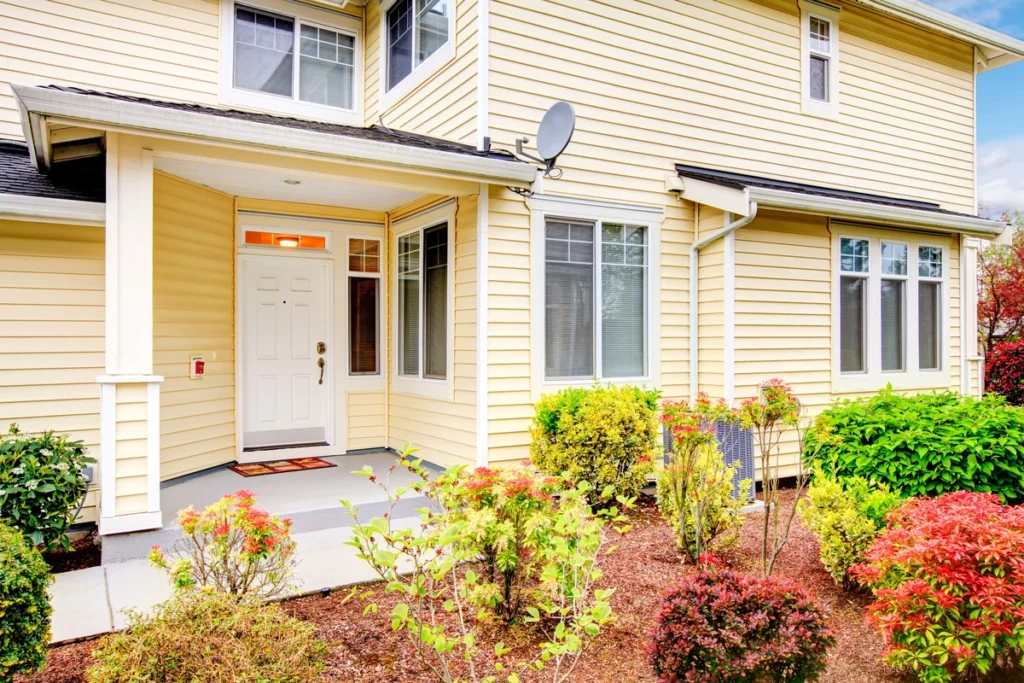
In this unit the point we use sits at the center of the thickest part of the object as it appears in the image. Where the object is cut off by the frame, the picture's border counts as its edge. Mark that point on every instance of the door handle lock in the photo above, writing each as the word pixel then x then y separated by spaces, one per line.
pixel 321 348
pixel 320 363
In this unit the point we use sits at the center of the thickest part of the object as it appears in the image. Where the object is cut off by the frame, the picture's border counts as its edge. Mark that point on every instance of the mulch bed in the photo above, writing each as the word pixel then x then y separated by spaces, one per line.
pixel 84 553
pixel 364 649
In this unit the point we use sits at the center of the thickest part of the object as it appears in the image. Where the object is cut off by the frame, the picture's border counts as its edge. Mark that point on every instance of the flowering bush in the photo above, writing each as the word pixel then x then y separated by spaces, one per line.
pixel 948 579
pixel 231 547
pixel 721 626
pixel 24 605
pixel 1004 371
pixel 605 435
pixel 41 484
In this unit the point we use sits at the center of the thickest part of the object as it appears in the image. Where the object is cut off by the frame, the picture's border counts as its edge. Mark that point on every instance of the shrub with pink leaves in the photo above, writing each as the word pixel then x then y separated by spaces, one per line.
pixel 231 547
pixel 948 578
pixel 721 626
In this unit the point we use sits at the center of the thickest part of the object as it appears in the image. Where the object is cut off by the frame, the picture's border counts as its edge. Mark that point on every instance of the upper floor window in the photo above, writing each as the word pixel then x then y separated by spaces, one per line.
pixel 820 55
pixel 290 58
pixel 417 39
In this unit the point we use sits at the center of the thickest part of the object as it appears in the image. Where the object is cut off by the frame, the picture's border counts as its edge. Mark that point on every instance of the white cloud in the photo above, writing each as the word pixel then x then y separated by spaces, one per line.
pixel 1001 174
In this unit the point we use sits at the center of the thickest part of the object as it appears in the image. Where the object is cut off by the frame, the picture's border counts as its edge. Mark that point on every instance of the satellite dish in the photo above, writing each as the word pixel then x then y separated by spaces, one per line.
pixel 555 131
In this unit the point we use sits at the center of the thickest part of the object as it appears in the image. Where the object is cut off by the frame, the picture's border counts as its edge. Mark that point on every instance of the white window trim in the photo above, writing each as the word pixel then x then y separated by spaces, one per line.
pixel 425 386
pixel 420 72
pixel 824 12
pixel 544 206
pixel 276 104
pixel 368 379
pixel 873 379
pixel 246 224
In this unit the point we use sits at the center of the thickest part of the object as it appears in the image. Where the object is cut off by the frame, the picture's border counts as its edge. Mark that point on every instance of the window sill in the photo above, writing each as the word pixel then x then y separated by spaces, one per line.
pixel 356 384
pixel 433 64
pixel 938 379
pixel 428 388
pixel 282 106
pixel 821 110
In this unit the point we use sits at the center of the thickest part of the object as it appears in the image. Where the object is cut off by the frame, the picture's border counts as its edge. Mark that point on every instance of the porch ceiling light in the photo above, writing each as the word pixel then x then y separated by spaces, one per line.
pixel 291 182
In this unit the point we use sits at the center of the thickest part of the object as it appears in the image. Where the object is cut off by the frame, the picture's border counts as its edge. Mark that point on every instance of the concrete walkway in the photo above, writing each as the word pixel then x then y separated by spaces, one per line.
pixel 92 601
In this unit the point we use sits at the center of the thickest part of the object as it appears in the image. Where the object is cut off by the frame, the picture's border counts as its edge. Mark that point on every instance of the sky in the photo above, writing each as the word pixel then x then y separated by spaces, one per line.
pixel 1000 107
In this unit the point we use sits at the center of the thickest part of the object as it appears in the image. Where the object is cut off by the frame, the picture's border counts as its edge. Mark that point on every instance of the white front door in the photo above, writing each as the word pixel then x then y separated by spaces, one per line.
pixel 287 363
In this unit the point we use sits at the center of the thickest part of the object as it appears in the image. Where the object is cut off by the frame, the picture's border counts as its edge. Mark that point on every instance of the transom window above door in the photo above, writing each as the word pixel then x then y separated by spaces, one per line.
pixel 291 58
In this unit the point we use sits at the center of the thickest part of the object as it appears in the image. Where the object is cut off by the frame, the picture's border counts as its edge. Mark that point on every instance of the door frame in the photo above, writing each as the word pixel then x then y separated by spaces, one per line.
pixel 330 425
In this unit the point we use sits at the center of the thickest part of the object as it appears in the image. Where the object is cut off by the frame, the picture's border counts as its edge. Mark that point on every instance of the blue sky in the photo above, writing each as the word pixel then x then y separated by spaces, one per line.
pixel 1000 107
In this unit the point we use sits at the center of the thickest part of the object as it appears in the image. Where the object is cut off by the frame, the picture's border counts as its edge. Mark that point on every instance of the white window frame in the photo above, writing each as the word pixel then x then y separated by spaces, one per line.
pixel 873 378
pixel 381 306
pixel 277 104
pixel 905 279
pixel 420 385
pixel 830 14
pixel 420 72
pixel 543 207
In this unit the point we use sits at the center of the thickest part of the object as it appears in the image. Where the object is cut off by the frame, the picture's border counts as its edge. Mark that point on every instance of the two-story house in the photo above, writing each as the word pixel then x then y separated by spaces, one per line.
pixel 236 229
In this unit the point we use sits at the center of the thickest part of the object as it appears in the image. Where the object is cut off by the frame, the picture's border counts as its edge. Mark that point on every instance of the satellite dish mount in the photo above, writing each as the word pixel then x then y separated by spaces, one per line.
pixel 553 136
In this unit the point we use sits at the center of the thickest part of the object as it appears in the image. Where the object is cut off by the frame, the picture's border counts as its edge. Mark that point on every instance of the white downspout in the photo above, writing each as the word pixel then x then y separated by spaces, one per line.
pixel 694 293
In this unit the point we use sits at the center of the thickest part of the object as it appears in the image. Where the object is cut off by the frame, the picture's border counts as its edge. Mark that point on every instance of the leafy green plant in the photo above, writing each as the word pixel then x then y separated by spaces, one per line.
pixel 606 435
pixel 231 547
pixel 442 599
pixel 24 605
pixel 927 444
pixel 210 637
pixel 846 516
pixel 41 484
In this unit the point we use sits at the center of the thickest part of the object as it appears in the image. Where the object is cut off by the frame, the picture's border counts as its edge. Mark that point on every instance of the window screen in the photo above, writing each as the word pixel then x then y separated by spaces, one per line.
pixel 852 291
pixel 326 67
pixel 569 299
pixel 363 325
pixel 264 52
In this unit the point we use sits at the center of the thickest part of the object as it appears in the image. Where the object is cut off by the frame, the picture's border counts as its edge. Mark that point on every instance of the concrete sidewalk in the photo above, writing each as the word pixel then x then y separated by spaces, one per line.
pixel 90 602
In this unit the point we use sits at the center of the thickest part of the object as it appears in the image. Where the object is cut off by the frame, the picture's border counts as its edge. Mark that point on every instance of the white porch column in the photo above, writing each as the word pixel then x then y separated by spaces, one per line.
pixel 129 391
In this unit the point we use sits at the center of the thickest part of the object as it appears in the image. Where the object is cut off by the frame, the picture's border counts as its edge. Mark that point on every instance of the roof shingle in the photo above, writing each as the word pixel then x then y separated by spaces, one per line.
pixel 82 180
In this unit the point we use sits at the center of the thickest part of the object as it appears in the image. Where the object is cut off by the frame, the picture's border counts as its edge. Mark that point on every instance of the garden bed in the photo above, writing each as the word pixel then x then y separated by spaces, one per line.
pixel 84 553
pixel 364 649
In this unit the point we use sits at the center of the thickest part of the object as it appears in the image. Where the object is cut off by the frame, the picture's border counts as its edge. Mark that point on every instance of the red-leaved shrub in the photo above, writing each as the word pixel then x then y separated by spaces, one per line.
pixel 948 578
pixel 722 626
pixel 1004 371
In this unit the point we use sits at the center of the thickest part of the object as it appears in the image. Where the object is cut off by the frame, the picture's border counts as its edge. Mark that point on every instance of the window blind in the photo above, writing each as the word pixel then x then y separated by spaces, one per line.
pixel 409 304
pixel 569 299
pixel 435 241
pixel 623 301
pixel 363 305
pixel 892 324
pixel 928 318
pixel 851 323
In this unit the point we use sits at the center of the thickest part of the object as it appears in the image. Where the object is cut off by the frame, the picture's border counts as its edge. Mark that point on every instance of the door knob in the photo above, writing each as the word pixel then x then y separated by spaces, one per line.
pixel 320 363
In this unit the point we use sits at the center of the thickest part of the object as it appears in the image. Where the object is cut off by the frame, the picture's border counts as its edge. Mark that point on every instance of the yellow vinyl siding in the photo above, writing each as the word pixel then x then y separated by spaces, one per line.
pixel 674 291
pixel 711 306
pixel 130 449
pixel 444 104
pixel 193 314
pixel 365 424
pixel 660 82
pixel 444 430
pixel 51 332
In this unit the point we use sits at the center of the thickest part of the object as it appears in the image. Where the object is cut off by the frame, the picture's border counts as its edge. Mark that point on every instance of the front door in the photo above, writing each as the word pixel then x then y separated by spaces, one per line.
pixel 286 358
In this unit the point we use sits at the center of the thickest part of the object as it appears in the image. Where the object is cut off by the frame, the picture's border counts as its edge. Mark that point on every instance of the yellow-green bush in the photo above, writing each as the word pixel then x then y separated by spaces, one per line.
pixel 605 435
pixel 211 637
pixel 24 605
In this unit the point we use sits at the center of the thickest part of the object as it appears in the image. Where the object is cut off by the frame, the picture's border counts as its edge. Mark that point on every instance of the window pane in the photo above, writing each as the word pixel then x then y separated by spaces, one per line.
pixel 399 41
pixel 851 323
pixel 363 255
pixel 435 242
pixel 928 319
pixel 569 303
pixel 431 27
pixel 326 68
pixel 623 306
pixel 853 255
pixel 929 261
pixel 409 304
pixel 892 324
pixel 819 78
pixel 894 258
pixel 363 306
pixel 264 46
pixel 820 36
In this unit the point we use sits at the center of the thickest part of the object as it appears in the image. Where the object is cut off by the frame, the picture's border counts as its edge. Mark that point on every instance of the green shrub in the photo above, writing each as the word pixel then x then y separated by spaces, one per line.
pixel 604 435
pixel 211 637
pixel 846 516
pixel 927 444
pixel 41 484
pixel 24 606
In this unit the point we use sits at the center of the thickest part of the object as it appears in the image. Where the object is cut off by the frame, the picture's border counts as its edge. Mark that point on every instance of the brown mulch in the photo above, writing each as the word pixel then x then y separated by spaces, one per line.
pixel 84 553
pixel 364 649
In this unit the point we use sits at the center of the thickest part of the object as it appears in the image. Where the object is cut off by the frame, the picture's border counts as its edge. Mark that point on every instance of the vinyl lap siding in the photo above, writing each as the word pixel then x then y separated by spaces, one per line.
pixel 711 306
pixel 130 449
pixel 51 332
pixel 365 423
pixel 193 313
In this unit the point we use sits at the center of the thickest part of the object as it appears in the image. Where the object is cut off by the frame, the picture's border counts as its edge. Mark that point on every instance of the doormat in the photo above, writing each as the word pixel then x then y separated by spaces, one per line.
pixel 258 469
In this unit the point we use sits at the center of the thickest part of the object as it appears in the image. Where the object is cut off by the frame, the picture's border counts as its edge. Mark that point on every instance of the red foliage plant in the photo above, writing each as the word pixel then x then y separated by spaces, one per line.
pixel 1004 371
pixel 1001 286
pixel 948 578
pixel 722 626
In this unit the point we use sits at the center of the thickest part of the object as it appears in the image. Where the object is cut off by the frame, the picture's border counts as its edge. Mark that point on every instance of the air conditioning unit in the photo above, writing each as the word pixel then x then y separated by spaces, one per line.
pixel 737 445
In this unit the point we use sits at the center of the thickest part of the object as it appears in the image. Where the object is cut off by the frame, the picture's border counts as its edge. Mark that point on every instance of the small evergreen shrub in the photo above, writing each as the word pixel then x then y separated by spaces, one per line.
pixel 722 626
pixel 24 605
pixel 41 484
pixel 211 637
pixel 846 516
pixel 604 435
pixel 1004 371
pixel 926 444
pixel 949 587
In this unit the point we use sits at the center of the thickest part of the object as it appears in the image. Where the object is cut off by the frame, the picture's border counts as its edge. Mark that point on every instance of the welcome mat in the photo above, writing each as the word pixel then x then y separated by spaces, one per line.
pixel 258 469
